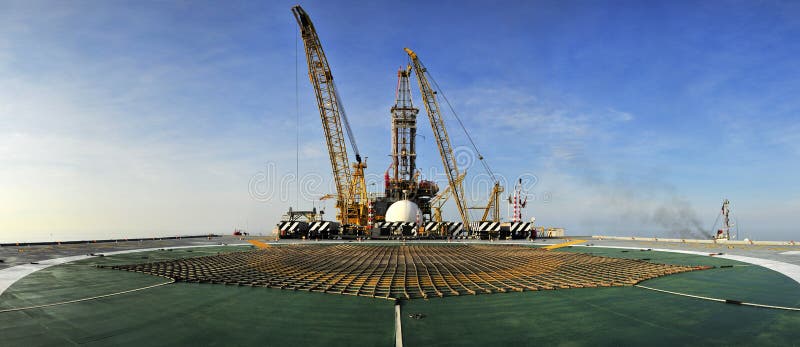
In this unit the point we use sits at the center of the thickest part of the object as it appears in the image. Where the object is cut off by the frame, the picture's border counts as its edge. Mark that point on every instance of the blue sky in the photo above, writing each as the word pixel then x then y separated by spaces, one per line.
pixel 150 118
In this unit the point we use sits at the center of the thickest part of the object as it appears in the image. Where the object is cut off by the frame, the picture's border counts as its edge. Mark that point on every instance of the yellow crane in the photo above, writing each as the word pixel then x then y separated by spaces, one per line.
pixel 494 203
pixel 351 192
pixel 442 140
pixel 492 207
pixel 438 201
pixel 454 179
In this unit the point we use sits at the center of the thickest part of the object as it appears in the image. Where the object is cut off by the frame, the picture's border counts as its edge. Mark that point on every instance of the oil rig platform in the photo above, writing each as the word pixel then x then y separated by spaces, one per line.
pixel 410 206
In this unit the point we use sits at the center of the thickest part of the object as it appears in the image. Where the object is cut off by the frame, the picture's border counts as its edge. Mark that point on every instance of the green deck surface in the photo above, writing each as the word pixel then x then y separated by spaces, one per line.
pixel 620 316
pixel 59 283
pixel 180 314
pixel 210 314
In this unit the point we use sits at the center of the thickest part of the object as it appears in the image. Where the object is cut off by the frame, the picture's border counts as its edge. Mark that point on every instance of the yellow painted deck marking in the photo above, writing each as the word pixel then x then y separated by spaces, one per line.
pixel 564 244
pixel 259 244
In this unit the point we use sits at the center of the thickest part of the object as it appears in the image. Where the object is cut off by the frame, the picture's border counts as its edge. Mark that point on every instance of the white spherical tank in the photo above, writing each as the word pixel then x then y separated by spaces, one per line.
pixel 402 211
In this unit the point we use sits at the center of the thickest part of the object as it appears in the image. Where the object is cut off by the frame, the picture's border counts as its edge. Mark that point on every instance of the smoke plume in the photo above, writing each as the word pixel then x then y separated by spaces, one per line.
pixel 679 219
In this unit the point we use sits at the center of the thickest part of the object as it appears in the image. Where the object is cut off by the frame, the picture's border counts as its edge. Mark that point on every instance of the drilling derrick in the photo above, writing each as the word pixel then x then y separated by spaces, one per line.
pixel 403 183
pixel 402 178
pixel 404 130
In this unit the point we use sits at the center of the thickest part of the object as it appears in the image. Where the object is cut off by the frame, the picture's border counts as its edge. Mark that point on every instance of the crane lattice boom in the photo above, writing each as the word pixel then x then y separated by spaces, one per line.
pixel 442 140
pixel 348 198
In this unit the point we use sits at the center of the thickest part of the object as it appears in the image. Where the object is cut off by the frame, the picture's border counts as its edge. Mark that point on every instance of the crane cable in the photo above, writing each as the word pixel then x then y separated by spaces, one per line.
pixel 460 123
pixel 712 234
pixel 349 131
pixel 297 119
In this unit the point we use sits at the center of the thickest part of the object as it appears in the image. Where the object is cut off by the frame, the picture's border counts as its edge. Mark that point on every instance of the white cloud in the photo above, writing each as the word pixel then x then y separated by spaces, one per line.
pixel 620 116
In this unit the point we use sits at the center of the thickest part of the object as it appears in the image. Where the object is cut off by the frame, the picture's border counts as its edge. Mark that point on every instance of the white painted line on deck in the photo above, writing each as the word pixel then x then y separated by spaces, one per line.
pixel 720 300
pixel 398 328
pixel 789 270
pixel 171 281
pixel 15 273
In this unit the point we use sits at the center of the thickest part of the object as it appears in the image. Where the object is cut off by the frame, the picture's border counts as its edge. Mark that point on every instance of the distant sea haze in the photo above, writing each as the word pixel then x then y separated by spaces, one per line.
pixel 41 236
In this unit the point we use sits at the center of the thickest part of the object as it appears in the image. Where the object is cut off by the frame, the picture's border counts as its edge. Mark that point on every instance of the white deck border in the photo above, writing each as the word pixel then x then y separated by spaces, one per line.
pixel 789 270
pixel 13 274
